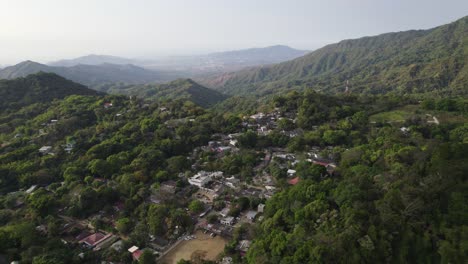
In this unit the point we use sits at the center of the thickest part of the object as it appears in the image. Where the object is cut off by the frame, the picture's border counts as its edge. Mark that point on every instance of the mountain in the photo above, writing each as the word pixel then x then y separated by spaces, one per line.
pixel 90 75
pixel 186 89
pixel 416 61
pixel 38 88
pixel 92 59
pixel 267 55
pixel 226 61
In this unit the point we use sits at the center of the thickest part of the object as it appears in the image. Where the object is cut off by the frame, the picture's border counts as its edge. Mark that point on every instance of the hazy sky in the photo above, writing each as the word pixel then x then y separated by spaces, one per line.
pixel 44 30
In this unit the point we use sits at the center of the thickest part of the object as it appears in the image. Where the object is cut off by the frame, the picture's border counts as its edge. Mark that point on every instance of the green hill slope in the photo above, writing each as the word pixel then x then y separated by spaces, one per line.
pixel 416 61
pixel 38 88
pixel 179 89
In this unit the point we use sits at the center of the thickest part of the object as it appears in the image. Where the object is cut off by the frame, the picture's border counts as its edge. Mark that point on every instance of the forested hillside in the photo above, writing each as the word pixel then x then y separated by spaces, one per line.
pixel 185 89
pixel 120 169
pixel 37 88
pixel 417 61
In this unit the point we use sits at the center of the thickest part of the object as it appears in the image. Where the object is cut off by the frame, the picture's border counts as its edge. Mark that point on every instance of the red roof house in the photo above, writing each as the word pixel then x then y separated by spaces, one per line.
pixel 137 254
pixel 94 239
pixel 293 181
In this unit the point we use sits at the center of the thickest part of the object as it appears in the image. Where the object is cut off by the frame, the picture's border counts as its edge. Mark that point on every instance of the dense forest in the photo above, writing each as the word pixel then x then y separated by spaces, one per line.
pixel 398 193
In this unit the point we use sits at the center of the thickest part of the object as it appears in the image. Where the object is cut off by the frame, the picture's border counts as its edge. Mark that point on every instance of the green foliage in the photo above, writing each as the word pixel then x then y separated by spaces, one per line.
pixel 196 206
pixel 37 88
pixel 423 61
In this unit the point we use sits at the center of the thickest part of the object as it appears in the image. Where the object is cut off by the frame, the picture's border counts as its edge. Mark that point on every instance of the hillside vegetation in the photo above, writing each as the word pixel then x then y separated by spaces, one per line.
pixel 185 89
pixel 37 88
pixel 416 61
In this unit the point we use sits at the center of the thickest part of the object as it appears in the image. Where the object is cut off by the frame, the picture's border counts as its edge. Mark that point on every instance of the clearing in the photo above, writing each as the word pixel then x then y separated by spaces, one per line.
pixel 203 246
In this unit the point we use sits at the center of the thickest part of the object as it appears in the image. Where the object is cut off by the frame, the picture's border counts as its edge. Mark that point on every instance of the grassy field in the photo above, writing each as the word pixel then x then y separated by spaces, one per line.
pixel 203 246
pixel 408 111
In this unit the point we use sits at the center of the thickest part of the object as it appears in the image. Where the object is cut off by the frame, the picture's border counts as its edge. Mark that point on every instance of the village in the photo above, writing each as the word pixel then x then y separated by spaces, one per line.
pixel 216 192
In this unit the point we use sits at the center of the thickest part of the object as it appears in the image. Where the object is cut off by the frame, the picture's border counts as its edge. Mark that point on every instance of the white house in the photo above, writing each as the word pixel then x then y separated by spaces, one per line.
pixel 227 221
pixel 45 149
pixel 260 208
pixel 251 215
pixel 200 179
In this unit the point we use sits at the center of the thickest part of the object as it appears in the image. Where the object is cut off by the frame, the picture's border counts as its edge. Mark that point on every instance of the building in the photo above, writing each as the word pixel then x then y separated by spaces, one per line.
pixel 224 212
pixel 227 221
pixel 200 179
pixel 293 181
pixel 260 208
pixel 45 149
pixel 232 182
pixel 251 215
pixel 94 239
pixel 244 246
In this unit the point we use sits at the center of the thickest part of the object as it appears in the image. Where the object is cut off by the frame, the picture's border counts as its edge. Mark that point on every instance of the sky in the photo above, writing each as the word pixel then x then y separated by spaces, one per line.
pixel 48 30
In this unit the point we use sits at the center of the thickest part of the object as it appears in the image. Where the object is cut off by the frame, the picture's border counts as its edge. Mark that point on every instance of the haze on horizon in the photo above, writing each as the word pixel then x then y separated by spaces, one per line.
pixel 56 29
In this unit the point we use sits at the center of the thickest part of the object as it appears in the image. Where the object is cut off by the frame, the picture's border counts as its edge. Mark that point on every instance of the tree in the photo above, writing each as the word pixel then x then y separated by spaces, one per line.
pixel 156 219
pixel 41 201
pixel 147 257
pixel 196 206
pixel 123 225
pixel 248 139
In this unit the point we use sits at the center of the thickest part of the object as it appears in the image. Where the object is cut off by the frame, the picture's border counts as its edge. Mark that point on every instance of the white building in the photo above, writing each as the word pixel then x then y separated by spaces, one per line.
pixel 227 221
pixel 45 149
pixel 260 208
pixel 199 180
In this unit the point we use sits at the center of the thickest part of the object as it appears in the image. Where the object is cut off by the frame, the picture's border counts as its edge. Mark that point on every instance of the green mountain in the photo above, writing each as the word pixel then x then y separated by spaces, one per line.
pixel 90 75
pixel 186 89
pixel 416 61
pixel 38 88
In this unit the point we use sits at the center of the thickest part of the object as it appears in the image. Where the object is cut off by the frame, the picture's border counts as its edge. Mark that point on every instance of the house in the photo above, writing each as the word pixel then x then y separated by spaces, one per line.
pixel 224 212
pixel 223 149
pixel 233 142
pixel 133 249
pixel 137 254
pixel 258 116
pixel 260 208
pixel 227 221
pixel 227 260
pixel 291 172
pixel 68 147
pixel 94 239
pixel 200 179
pixel 232 182
pixel 405 130
pixel 244 246
pixel 107 105
pixel 293 181
pixel 31 189
pixel 251 215
pixel 45 150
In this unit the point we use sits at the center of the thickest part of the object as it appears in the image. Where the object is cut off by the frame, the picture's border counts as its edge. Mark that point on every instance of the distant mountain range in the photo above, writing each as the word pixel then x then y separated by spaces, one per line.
pixel 92 59
pixel 199 64
pixel 416 61
pixel 38 88
pixel 97 70
pixel 90 75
